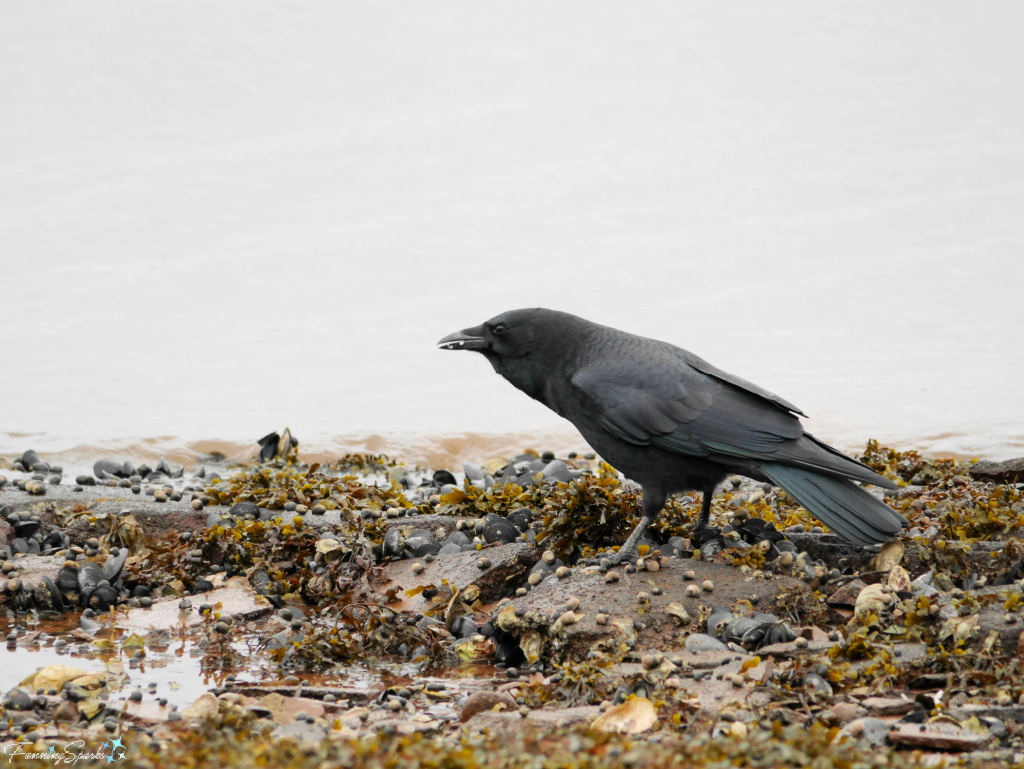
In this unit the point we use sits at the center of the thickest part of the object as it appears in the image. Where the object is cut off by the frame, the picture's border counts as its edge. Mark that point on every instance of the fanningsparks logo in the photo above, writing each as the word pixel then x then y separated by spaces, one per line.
pixel 109 752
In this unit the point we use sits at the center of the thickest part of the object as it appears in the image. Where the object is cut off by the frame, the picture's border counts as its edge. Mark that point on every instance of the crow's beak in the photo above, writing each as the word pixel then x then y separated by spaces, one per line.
pixel 467 339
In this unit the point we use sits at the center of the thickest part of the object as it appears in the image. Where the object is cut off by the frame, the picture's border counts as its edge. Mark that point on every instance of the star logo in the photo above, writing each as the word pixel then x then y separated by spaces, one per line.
pixel 114 745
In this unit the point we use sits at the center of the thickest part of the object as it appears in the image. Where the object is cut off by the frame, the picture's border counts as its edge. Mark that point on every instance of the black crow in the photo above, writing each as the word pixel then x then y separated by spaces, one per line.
pixel 673 422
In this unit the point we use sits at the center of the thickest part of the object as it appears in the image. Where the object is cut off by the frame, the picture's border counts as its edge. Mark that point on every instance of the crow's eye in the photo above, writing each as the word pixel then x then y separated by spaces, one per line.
pixel 499 329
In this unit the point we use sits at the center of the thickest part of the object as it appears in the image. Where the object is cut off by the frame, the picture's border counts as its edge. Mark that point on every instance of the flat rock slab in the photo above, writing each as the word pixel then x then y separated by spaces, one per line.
pixel 510 565
pixel 661 632
pixel 1007 471
pixel 513 722
pixel 888 706
pixel 235 602
pixel 147 711
pixel 156 517
pixel 32 568
pixel 938 735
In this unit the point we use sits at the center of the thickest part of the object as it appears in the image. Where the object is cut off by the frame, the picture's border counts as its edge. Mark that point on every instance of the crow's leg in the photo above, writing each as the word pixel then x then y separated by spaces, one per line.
pixel 705 536
pixel 705 510
pixel 650 506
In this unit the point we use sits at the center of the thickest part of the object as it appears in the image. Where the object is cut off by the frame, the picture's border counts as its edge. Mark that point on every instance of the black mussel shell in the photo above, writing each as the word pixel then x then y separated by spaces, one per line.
pixel 214 518
pixel 107 468
pixel 127 469
pixel 102 597
pixel 23 599
pixel 718 621
pixel 520 519
pixel 744 630
pixel 202 586
pixel 711 546
pixel 47 596
pixel 509 652
pixel 30 458
pixel 56 540
pixel 19 546
pixel 163 467
pixel 545 569
pixel 449 549
pixel 784 546
pixel 417 547
pixel 89 576
pixel 140 591
pixel 675 546
pixel 393 543
pixel 457 538
pixel 242 509
pixel 442 478
pixel 500 530
pixel 114 564
pixel 464 627
pixel 779 633
pixel 268 446
pixel 25 529
pixel 67 579
pixel 260 580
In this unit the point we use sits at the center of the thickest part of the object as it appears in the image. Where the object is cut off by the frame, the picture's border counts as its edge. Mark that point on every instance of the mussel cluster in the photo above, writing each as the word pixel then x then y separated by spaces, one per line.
pixel 28 538
pixel 522 470
pixel 80 583
pixel 419 543
pixel 751 629
pixel 29 462
pixel 77 585
pixel 751 531
pixel 112 469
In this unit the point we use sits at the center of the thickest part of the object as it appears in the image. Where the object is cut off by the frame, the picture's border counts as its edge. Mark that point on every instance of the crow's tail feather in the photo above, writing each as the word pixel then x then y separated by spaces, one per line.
pixel 842 505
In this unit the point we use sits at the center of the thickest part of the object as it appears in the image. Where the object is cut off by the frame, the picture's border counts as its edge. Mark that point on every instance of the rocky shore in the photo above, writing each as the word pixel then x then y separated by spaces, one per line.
pixel 362 610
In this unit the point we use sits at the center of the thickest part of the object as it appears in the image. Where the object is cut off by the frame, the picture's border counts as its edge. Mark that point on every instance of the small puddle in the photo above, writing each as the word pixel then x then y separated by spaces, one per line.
pixel 180 670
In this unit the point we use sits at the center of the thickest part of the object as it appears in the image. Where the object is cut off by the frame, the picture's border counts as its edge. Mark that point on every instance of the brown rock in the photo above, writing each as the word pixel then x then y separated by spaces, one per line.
pixel 634 716
pixel 1008 471
pixel 510 565
pixel 481 702
pixel 888 706
pixel 844 712
pixel 846 596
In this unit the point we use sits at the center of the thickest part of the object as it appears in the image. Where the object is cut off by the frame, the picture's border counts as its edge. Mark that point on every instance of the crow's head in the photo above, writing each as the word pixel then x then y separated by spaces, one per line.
pixel 524 346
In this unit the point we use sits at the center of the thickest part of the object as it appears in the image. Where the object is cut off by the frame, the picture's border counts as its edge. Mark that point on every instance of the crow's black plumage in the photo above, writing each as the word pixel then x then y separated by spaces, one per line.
pixel 673 422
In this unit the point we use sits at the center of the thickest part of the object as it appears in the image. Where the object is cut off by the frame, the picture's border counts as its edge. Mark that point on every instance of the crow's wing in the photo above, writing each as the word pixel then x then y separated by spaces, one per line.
pixel 657 398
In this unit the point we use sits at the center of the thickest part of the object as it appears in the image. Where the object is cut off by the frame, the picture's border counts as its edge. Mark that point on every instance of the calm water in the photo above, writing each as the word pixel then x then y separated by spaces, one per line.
pixel 220 219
